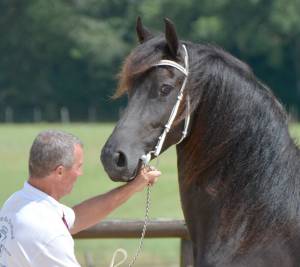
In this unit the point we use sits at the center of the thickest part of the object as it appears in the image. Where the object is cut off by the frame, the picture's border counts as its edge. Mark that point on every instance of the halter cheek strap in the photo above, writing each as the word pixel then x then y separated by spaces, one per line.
pixel 185 70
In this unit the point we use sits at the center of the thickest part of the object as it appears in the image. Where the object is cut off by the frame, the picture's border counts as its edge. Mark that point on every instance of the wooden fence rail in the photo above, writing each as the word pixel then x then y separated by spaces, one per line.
pixel 160 228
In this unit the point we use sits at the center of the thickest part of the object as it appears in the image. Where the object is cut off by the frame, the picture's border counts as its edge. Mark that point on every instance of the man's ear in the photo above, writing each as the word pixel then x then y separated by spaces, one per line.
pixel 143 33
pixel 171 37
pixel 59 170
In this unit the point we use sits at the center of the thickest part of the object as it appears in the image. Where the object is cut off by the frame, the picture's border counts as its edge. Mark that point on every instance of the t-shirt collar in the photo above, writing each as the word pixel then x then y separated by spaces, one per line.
pixel 35 194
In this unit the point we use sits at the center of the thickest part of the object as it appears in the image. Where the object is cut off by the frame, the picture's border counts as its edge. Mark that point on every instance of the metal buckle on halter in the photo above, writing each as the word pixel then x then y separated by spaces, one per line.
pixel 185 70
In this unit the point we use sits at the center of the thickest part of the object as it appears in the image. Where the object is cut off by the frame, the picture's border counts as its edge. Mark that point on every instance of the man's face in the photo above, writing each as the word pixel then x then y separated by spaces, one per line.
pixel 70 174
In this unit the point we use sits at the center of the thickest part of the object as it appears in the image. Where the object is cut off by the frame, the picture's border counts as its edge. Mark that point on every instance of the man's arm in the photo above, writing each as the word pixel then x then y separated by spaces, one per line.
pixel 93 210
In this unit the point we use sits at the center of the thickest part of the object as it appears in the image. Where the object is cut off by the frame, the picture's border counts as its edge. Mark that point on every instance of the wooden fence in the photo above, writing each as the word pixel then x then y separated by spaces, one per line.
pixel 155 229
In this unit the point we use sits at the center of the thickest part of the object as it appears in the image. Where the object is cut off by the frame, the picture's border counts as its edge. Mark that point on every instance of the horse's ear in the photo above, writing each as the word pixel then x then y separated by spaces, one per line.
pixel 142 32
pixel 171 37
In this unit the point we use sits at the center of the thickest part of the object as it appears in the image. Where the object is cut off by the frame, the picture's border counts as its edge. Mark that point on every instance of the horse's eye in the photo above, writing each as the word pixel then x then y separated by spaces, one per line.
pixel 165 89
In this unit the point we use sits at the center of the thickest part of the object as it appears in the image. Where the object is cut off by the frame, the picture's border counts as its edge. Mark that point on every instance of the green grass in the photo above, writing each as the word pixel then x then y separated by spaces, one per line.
pixel 15 141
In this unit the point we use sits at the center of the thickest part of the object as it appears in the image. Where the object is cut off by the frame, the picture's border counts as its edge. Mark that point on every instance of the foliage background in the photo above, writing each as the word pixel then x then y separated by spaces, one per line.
pixel 67 53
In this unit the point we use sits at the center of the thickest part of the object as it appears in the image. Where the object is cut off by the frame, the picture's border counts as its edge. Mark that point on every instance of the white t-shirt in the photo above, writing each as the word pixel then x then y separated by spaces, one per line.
pixel 32 232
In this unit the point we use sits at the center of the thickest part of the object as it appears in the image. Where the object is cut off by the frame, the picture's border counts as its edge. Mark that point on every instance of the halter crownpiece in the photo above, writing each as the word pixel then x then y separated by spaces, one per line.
pixel 185 70
pixel 165 62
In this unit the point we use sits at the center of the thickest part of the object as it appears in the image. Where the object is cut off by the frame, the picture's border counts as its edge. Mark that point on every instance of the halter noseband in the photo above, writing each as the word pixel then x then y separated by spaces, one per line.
pixel 185 70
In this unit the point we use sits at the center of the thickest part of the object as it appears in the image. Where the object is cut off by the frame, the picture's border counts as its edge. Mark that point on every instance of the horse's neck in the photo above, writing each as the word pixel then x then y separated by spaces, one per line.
pixel 214 236
pixel 208 213
pixel 199 208
pixel 238 158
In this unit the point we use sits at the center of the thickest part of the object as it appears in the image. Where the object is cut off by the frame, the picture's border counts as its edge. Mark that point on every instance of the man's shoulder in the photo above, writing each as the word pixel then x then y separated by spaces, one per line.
pixel 31 225
pixel 31 220
pixel 12 201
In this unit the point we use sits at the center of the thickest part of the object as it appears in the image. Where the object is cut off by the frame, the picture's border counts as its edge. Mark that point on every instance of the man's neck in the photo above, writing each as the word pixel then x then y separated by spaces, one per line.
pixel 45 185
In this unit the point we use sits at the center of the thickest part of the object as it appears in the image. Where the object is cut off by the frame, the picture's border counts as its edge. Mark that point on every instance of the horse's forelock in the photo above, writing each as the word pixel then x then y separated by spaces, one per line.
pixel 141 59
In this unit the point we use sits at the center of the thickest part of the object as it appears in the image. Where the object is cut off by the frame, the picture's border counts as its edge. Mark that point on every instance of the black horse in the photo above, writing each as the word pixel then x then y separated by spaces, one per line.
pixel 239 169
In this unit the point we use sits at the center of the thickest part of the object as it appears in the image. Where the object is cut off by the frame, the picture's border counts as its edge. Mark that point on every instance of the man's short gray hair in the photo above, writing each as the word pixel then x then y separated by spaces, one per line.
pixel 50 149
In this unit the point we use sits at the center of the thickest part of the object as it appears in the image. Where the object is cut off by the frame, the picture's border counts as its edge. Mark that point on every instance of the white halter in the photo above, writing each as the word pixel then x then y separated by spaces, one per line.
pixel 147 157
pixel 185 70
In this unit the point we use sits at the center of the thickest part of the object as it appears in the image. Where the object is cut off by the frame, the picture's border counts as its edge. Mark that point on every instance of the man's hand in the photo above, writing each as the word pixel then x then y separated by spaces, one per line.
pixel 146 176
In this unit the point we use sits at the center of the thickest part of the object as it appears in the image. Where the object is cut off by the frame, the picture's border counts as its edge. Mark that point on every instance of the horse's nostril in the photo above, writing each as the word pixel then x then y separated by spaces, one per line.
pixel 120 159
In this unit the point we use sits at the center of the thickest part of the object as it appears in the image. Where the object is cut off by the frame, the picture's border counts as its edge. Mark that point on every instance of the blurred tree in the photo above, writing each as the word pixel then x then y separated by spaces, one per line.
pixel 66 53
pixel 53 56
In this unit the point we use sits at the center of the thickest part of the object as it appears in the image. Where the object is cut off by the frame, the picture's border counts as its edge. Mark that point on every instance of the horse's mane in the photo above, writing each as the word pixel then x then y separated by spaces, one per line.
pixel 240 141
pixel 231 105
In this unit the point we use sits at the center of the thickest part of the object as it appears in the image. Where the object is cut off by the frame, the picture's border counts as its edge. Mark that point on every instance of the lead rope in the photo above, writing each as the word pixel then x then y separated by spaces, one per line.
pixel 141 243
pixel 139 249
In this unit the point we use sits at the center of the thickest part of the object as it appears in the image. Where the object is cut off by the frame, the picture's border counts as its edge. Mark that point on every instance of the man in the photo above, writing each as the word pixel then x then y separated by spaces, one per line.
pixel 35 229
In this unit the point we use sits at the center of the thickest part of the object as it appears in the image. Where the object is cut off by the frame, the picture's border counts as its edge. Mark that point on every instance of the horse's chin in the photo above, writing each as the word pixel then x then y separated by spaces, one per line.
pixel 136 171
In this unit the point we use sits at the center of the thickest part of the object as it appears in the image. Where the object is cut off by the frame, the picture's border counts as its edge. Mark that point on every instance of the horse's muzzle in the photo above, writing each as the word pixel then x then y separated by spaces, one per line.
pixel 119 164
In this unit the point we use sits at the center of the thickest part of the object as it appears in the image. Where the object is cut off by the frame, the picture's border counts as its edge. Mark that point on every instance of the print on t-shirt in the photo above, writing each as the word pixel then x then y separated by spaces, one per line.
pixel 6 232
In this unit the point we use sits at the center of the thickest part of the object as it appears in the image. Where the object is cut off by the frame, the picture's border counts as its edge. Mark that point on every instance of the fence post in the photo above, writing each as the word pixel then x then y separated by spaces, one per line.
pixel 64 115
pixel 9 114
pixel 89 261
pixel 37 114
pixel 186 253
pixel 92 114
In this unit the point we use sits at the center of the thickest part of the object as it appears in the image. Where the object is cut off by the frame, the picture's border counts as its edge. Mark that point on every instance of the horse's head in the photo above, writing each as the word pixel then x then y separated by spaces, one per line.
pixel 152 88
